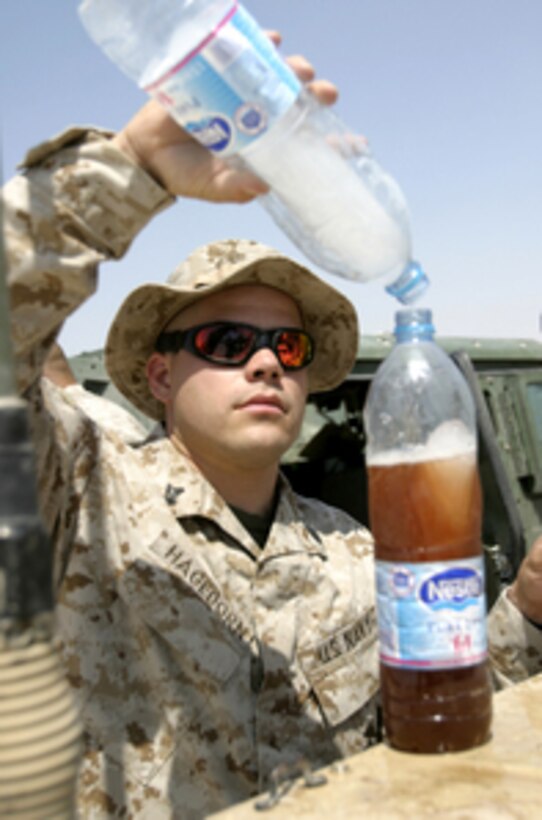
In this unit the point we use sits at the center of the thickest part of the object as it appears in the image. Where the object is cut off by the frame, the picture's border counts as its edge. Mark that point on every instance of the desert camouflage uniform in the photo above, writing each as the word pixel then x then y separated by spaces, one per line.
pixel 199 661
pixel 106 414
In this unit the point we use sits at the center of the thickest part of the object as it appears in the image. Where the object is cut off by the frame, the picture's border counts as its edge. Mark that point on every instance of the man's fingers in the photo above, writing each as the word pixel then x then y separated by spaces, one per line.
pixel 232 185
pixel 301 66
pixel 274 36
pixel 324 91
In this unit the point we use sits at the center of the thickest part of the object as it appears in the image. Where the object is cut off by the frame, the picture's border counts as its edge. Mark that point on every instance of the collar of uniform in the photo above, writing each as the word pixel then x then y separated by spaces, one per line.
pixel 189 494
pixel 291 531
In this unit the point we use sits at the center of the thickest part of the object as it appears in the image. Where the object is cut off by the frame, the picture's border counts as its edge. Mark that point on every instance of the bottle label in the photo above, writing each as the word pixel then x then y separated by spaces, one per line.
pixel 231 88
pixel 431 615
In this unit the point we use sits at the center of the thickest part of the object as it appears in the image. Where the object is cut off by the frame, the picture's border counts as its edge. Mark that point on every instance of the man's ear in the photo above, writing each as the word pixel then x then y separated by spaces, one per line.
pixel 157 370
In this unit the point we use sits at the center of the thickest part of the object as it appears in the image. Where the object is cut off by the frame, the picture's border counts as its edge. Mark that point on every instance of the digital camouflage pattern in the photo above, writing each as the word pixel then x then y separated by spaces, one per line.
pixel 199 661
pixel 106 413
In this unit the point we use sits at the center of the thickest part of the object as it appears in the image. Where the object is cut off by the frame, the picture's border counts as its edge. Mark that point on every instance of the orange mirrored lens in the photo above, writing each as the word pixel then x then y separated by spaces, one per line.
pixel 225 343
pixel 293 348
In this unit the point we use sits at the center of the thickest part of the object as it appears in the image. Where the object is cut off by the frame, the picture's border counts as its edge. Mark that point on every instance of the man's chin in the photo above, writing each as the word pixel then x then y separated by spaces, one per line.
pixel 263 450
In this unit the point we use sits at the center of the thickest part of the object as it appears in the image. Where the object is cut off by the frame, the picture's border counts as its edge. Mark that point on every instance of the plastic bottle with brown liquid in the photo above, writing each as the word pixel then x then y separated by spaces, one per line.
pixel 425 513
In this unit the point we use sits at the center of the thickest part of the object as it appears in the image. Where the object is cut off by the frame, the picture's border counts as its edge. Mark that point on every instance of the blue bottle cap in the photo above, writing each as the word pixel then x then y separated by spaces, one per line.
pixel 410 285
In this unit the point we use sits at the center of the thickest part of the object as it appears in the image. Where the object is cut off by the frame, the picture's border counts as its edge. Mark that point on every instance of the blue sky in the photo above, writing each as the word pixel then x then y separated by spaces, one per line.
pixel 449 93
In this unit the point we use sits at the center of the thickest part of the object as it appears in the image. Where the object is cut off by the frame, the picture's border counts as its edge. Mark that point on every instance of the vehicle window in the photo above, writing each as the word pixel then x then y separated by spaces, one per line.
pixel 534 399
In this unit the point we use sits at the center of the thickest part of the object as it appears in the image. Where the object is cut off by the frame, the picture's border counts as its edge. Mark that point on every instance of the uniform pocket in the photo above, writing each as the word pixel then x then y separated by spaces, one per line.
pixel 342 669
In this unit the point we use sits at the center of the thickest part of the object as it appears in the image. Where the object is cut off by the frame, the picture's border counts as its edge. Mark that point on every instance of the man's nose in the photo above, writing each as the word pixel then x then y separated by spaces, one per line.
pixel 264 362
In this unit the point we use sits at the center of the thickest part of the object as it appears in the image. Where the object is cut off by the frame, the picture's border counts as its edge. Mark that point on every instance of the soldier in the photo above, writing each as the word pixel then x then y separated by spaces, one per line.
pixel 213 624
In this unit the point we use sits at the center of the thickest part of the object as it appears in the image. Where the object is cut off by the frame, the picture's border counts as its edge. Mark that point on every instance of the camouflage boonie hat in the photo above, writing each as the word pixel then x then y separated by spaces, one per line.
pixel 327 315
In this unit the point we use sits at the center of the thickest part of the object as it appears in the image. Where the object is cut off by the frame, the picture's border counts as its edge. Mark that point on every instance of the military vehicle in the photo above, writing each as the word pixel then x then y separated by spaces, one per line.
pixel 327 461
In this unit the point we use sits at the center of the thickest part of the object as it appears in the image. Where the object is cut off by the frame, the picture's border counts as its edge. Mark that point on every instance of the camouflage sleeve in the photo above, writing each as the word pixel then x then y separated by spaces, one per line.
pixel 77 202
pixel 515 645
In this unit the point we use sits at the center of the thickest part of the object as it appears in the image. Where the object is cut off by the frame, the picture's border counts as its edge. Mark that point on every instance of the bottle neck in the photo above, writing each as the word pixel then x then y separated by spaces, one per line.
pixel 414 325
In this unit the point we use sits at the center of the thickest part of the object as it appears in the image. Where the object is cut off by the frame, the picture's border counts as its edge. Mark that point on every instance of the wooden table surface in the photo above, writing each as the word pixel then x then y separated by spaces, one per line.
pixel 502 779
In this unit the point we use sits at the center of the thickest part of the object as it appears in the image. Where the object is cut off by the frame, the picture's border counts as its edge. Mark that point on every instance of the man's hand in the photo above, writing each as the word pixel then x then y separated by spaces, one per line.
pixel 526 591
pixel 184 167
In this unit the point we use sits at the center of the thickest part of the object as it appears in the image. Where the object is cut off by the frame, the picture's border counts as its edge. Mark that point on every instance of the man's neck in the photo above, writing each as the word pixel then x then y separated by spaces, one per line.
pixel 251 490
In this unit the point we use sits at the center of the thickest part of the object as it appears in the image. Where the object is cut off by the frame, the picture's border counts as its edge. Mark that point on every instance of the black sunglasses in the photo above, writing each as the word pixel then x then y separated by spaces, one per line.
pixel 233 343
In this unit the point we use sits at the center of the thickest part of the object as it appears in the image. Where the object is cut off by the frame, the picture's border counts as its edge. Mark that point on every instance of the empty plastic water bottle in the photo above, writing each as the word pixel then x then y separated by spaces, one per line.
pixel 217 73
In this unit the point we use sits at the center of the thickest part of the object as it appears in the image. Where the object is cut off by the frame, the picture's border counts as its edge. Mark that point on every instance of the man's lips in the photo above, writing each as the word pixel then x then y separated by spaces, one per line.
pixel 263 402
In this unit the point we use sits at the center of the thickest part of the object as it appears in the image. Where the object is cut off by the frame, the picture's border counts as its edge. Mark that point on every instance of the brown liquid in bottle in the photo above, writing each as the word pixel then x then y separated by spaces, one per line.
pixel 420 512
